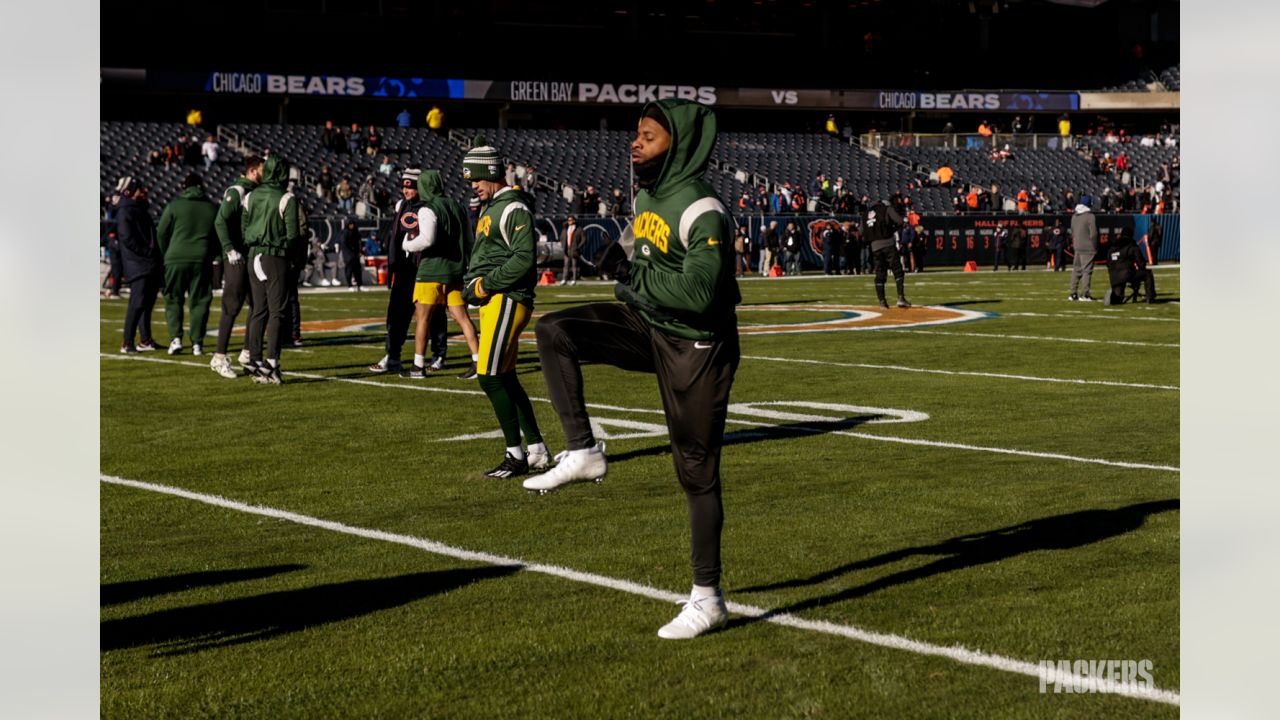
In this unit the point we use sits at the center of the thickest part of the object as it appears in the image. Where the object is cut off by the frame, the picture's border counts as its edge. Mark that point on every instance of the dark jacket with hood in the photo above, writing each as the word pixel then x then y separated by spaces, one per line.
pixel 443 256
pixel 186 232
pixel 684 253
pixel 270 221
pixel 140 251
pixel 227 224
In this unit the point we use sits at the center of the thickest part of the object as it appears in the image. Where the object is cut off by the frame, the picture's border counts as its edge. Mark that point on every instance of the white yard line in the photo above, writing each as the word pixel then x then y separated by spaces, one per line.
pixel 1003 376
pixel 1082 316
pixel 731 420
pixel 956 653
pixel 1033 337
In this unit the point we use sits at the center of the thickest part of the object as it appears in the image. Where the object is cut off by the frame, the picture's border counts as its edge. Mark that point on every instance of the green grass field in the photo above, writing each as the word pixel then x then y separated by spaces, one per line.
pixel 1025 518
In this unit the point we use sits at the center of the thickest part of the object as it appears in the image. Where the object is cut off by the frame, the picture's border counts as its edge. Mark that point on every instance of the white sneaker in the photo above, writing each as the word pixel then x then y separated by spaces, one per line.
pixel 244 357
pixel 221 364
pixel 197 349
pixel 538 460
pixel 571 467
pixel 700 615
pixel 175 346
pixel 324 282
pixel 351 289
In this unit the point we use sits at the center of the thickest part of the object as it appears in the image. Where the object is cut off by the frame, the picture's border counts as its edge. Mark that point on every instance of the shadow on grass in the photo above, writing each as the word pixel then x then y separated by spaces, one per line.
pixel 760 434
pixel 1058 532
pixel 230 622
pixel 123 592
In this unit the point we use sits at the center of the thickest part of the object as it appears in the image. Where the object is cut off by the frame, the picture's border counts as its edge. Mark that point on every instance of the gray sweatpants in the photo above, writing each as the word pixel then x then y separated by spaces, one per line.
pixel 1082 272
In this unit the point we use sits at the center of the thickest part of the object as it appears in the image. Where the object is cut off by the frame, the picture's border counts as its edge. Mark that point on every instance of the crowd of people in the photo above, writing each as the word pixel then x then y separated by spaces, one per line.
pixel 189 151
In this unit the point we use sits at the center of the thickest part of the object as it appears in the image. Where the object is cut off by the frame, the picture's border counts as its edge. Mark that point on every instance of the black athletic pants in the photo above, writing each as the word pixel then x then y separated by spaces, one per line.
pixel 400 314
pixel 694 379
pixel 886 259
pixel 235 290
pixel 355 271
pixel 270 300
pixel 142 299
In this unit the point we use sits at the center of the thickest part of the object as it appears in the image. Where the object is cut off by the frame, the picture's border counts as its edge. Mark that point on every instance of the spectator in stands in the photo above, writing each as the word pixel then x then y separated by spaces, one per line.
pixel 1016 126
pixel 324 184
pixel 195 118
pixel 1084 236
pixel 331 137
pixel 368 194
pixel 617 203
pixel 1064 126
pixel 345 194
pixel 799 203
pixel 960 201
pixel 1024 200
pixel 776 200
pixel 192 156
pixel 768 247
pixel 762 199
pixel 1058 246
pixel 589 201
pixel 355 139
pixel 984 129
pixel 435 119
pixel 832 129
pixel 143 263
pixel 188 243
pixel 746 203
pixel 530 181
pixel 209 150
pixel 372 141
pixel 156 157
pixel 386 167
pixel 403 119
pixel 945 173
pixel 511 175
pixel 792 242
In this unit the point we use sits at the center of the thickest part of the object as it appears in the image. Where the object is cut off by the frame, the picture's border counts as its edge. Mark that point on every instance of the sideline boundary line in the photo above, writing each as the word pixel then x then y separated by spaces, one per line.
pixel 973 373
pixel 732 420
pixel 1034 337
pixel 957 653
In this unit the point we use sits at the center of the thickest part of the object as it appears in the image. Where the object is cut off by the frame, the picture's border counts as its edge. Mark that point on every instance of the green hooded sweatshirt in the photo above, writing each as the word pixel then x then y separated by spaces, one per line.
pixel 228 222
pixel 506 248
pixel 445 259
pixel 684 235
pixel 270 218
pixel 186 233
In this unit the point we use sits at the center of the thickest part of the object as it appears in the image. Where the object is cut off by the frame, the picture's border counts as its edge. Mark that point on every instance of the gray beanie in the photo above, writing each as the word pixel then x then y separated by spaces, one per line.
pixel 483 163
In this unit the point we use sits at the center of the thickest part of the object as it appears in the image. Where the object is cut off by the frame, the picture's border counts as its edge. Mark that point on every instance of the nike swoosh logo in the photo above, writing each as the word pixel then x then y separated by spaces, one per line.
pixel 519 228
pixel 702 346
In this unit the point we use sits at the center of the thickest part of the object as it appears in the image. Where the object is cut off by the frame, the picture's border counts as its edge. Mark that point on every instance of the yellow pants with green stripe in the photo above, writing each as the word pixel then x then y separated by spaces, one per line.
pixel 501 322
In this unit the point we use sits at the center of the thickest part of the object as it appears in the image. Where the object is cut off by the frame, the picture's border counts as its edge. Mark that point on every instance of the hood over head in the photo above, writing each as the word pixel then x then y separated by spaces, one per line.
pixel 430 184
pixel 693 137
pixel 275 171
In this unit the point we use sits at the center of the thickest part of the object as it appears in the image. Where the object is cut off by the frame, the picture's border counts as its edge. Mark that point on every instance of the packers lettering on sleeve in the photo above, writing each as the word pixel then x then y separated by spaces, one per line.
pixel 482 227
pixel 650 226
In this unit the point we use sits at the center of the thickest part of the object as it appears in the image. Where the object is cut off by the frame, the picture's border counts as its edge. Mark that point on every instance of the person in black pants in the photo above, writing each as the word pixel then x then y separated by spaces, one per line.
pixel 1058 246
pixel 878 227
pixel 677 321
pixel 142 261
pixel 402 271
pixel 235 265
pixel 352 247
pixel 1018 249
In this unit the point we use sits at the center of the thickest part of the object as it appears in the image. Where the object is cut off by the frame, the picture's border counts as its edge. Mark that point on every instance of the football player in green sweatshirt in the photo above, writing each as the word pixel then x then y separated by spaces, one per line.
pixel 500 279
pixel 188 241
pixel 677 320
pixel 235 269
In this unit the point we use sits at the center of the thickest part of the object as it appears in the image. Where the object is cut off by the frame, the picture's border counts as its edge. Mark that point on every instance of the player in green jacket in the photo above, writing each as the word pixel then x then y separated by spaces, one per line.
pixel 188 242
pixel 677 320
pixel 443 239
pixel 500 279
pixel 271 229
pixel 235 268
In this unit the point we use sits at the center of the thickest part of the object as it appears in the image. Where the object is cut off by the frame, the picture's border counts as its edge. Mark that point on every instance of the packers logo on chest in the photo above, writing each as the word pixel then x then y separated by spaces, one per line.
pixel 482 227
pixel 650 226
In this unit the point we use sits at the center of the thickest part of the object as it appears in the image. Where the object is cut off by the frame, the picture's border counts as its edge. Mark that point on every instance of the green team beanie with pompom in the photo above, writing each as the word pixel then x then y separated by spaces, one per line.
pixel 483 163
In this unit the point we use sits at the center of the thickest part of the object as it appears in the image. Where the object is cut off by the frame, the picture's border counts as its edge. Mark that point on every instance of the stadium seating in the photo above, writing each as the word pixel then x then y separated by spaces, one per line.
pixel 1170 78
pixel 576 158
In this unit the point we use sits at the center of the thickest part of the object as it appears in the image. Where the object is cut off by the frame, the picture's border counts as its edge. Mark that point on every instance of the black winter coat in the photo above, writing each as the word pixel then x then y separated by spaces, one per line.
pixel 137 232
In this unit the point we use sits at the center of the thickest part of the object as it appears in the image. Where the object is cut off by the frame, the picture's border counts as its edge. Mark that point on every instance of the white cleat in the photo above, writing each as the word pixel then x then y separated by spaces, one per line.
pixel 244 357
pixel 572 466
pixel 221 364
pixel 700 615
pixel 538 460
pixel 175 346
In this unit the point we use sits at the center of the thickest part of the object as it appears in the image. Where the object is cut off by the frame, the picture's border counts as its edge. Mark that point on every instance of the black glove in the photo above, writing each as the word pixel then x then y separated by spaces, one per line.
pixel 615 264
pixel 470 296
pixel 624 293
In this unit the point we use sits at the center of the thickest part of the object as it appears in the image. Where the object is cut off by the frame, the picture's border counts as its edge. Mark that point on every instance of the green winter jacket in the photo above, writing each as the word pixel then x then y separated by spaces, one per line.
pixel 505 250
pixel 186 233
pixel 684 253
pixel 228 221
pixel 270 218
pixel 445 259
